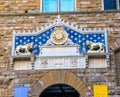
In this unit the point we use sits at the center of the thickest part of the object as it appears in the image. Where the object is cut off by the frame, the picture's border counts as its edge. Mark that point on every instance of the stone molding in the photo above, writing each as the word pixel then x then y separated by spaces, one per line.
pixel 58 13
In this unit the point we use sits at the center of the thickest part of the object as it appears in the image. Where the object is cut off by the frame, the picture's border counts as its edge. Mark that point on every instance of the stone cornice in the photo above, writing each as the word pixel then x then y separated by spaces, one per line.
pixel 34 13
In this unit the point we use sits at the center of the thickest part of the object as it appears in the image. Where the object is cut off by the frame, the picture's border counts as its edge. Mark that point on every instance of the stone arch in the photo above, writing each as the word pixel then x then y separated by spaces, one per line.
pixel 59 77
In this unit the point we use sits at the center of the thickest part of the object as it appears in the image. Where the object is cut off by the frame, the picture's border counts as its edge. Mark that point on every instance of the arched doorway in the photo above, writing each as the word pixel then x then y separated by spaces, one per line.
pixel 59 90
pixel 56 77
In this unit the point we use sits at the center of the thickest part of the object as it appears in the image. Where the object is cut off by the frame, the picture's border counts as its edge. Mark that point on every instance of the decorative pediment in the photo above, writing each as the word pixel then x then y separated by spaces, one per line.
pixel 61 39
pixel 60 33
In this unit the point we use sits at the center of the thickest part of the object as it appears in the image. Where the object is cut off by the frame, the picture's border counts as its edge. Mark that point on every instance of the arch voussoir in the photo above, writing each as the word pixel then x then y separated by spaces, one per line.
pixel 60 77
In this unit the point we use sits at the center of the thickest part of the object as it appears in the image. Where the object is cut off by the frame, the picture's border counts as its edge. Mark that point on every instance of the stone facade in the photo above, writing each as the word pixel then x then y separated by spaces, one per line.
pixel 14 17
pixel 23 6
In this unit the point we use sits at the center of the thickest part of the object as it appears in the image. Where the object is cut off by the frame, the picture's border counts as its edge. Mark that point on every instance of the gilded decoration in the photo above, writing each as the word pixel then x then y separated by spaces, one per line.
pixel 95 47
pixel 24 49
pixel 59 36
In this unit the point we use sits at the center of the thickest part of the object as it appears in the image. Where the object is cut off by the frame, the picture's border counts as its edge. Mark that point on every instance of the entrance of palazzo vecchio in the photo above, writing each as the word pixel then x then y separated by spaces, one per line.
pixel 59 83
pixel 59 90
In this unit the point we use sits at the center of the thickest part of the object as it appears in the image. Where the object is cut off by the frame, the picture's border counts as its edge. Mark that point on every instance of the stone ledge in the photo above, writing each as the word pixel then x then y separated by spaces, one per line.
pixel 59 13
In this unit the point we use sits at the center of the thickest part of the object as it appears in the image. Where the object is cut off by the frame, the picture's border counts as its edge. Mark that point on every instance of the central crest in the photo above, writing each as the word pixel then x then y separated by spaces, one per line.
pixel 59 36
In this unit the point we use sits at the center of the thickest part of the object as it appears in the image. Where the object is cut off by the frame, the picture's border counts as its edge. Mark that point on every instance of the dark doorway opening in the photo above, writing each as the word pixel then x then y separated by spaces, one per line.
pixel 59 90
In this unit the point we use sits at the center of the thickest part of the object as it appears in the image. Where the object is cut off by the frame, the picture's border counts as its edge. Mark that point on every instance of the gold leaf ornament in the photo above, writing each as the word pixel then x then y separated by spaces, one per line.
pixel 59 36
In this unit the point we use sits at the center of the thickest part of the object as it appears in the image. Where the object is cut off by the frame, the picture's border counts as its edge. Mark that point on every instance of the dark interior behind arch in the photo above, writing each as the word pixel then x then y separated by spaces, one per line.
pixel 59 90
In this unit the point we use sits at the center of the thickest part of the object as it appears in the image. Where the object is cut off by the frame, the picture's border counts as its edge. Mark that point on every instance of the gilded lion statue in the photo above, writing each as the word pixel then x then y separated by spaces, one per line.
pixel 24 49
pixel 95 47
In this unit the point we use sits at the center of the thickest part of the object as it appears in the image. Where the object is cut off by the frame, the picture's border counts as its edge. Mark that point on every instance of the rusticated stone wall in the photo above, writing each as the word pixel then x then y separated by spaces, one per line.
pixel 86 5
pixel 23 6
pixel 9 79
pixel 19 6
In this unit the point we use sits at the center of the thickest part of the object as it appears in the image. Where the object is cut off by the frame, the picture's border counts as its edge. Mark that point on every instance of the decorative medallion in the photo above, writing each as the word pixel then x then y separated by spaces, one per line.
pixel 59 36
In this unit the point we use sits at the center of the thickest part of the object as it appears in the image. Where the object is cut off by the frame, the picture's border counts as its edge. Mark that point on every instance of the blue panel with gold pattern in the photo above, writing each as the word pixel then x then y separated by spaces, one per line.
pixel 76 37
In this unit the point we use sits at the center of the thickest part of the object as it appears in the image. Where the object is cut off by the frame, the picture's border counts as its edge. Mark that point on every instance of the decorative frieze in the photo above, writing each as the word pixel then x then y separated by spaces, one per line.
pixel 97 63
pixel 22 62
pixel 63 62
